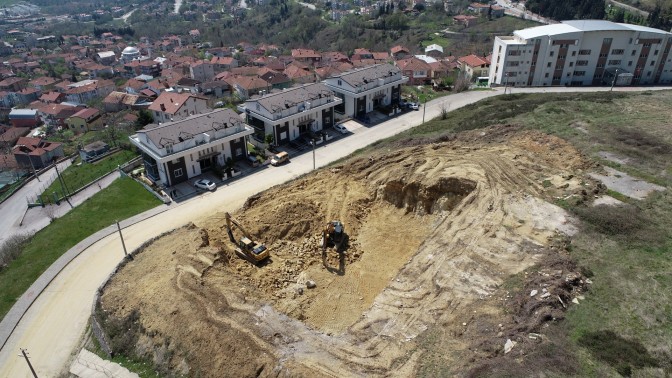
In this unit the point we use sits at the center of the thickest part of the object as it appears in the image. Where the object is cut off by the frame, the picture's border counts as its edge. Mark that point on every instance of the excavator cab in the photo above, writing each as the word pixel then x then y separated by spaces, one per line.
pixel 245 247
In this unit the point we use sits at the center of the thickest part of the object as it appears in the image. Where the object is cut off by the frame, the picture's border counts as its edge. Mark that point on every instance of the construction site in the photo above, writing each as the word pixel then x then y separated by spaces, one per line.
pixel 367 266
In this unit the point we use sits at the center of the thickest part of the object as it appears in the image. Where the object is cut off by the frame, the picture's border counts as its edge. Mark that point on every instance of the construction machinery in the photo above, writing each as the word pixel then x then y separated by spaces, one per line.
pixel 333 234
pixel 246 247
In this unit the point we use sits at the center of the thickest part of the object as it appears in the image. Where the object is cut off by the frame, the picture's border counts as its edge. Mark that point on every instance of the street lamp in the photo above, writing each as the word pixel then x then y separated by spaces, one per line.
pixel 506 82
pixel 613 82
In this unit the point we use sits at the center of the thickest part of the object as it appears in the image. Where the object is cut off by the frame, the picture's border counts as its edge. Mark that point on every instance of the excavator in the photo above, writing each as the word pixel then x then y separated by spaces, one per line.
pixel 333 234
pixel 245 247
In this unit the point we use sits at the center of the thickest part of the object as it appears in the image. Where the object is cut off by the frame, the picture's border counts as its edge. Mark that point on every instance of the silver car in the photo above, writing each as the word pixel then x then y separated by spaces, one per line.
pixel 205 184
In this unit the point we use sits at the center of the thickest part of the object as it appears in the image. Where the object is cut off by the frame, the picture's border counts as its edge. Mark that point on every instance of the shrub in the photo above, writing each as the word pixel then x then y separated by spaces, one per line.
pixel 12 248
pixel 621 354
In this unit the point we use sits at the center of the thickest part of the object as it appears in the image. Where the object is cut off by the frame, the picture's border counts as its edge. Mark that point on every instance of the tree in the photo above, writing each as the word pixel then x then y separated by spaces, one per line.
pixel 144 118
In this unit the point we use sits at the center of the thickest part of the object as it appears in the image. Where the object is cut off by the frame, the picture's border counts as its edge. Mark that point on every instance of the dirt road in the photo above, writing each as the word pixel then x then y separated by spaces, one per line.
pixel 52 327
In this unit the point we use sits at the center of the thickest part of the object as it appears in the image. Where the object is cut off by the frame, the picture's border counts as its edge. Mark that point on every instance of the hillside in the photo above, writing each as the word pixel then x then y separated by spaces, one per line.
pixel 465 234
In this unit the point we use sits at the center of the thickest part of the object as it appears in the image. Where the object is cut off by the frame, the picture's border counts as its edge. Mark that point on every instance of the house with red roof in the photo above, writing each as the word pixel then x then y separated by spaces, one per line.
pixel 474 66
pixel 171 106
pixel 36 153
pixel 417 70
pixel 85 120
pixel 307 56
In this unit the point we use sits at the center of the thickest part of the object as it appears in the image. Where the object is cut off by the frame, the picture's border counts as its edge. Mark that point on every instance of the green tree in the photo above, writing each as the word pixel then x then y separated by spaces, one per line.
pixel 144 118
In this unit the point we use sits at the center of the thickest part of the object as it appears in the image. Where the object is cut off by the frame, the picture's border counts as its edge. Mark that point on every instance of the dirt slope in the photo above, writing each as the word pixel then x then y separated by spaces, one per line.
pixel 433 229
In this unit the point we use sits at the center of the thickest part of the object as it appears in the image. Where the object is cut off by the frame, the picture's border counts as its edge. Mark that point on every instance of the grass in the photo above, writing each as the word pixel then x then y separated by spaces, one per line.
pixel 78 175
pixel 628 310
pixel 123 199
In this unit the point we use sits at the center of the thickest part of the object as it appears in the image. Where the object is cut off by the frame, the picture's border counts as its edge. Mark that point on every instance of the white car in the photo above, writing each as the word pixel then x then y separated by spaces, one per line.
pixel 340 128
pixel 205 184
pixel 414 105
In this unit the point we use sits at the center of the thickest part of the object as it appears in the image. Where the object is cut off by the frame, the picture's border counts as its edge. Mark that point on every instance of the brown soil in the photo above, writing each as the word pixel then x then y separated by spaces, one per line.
pixel 434 230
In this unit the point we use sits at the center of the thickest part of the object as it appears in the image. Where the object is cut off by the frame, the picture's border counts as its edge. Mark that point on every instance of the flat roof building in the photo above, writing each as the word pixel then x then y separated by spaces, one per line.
pixel 582 52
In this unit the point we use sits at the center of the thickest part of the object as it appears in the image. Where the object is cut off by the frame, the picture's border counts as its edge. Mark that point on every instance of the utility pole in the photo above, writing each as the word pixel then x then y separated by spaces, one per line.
pixel 122 241
pixel 313 143
pixel 24 354
pixel 34 171
pixel 424 109
pixel 63 187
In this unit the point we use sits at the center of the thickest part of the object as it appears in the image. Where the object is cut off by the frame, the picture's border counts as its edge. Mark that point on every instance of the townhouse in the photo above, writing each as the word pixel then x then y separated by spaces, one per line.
pixel 174 152
pixel 292 113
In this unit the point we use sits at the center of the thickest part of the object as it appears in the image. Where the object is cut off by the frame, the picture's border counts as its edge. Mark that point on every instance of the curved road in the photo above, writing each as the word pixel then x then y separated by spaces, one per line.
pixel 52 328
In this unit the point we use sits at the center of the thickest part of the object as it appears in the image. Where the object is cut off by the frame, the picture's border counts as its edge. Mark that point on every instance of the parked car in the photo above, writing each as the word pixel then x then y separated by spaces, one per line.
pixel 205 184
pixel 279 158
pixel 252 160
pixel 340 128
pixel 414 105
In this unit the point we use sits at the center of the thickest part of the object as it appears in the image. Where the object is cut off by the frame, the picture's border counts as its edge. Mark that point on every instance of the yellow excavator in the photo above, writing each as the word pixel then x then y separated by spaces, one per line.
pixel 333 234
pixel 245 247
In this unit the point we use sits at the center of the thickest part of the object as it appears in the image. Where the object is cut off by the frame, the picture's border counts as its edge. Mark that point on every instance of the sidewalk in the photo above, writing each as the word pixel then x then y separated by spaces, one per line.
pixel 88 365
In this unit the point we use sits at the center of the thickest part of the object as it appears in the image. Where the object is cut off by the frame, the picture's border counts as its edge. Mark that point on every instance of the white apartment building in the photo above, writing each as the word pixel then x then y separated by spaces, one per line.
pixel 174 152
pixel 292 113
pixel 582 52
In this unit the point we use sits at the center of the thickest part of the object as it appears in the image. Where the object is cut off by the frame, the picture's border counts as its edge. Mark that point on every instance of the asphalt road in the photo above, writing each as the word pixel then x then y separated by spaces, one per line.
pixel 14 207
pixel 52 328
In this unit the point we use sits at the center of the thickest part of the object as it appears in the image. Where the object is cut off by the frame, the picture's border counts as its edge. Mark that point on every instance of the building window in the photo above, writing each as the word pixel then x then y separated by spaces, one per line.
pixel 239 151
pixel 561 57
pixel 340 83
pixel 617 52
pixel 584 52
pixel 634 52
pixel 548 64
pixel 512 64
pixel 614 62
pixel 169 149
pixel 581 62
pixel 655 52
pixel 514 52
pixel 630 63
pixel 552 53
pixel 607 41
pixel 571 64
pixel 603 55
pixel 556 77
pixel 546 74
pixel 178 172
pixel 647 44
pixel 652 63
pixel 600 66
pixel 579 73
pixel 648 74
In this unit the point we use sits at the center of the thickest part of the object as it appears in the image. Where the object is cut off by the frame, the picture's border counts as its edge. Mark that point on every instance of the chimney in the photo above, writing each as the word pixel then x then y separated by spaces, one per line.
pixel 163 107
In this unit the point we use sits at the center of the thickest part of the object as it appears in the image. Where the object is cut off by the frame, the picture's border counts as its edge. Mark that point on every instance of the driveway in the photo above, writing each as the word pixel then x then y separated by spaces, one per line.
pixel 52 328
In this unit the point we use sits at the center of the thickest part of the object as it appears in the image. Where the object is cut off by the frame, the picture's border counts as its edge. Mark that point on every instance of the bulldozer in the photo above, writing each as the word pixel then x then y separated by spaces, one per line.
pixel 333 234
pixel 246 247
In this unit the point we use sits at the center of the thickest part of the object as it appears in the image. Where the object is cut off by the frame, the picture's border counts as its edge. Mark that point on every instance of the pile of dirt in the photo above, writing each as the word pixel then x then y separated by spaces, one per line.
pixel 433 231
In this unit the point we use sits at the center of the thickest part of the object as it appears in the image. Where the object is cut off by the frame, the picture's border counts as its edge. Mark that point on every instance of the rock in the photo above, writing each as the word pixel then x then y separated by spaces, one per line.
pixel 533 293
pixel 508 345
pixel 581 297
pixel 299 291
pixel 464 324
pixel 534 336
pixel 546 295
pixel 311 284
pixel 575 301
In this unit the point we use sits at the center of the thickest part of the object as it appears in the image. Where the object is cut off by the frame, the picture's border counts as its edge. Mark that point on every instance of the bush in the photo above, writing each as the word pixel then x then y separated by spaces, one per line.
pixel 12 248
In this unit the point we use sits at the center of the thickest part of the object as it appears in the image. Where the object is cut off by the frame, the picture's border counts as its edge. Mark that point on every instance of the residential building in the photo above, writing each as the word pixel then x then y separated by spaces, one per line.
pixel 171 106
pixel 306 56
pixel 292 113
pixel 24 118
pixel 474 66
pixel 36 153
pixel 117 101
pixel 174 152
pixel 85 120
pixel 248 86
pixel 83 91
pixel 434 50
pixel 202 71
pixel 93 151
pixel 582 52
pixel 399 52
pixel 416 70
pixel 9 136
pixel 107 58
pixel 366 89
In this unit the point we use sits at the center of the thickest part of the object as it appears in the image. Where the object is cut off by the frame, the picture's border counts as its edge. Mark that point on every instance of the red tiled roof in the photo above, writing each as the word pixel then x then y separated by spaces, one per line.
pixel 169 102
pixel 472 60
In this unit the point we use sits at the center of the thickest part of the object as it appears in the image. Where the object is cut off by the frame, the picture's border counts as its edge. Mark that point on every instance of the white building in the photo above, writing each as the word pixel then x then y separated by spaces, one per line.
pixel 292 113
pixel 174 152
pixel 582 52
pixel 366 89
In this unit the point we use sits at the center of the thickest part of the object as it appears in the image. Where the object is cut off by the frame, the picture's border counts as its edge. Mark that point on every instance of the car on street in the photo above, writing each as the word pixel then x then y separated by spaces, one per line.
pixel 414 105
pixel 340 128
pixel 279 158
pixel 205 184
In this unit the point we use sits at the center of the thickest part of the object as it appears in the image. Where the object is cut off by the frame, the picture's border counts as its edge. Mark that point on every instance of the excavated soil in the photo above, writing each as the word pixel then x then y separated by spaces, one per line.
pixel 433 232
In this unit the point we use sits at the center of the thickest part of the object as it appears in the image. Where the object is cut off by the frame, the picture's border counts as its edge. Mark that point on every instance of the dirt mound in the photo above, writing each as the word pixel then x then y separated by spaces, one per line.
pixel 431 231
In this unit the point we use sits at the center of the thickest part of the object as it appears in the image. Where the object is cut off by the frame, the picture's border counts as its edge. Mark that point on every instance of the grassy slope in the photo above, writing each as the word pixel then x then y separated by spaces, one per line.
pixel 123 199
pixel 632 281
pixel 76 177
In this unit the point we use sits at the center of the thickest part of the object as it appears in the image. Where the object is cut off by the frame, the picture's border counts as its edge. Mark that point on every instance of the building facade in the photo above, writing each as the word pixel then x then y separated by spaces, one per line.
pixel 292 113
pixel 174 152
pixel 366 89
pixel 582 52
